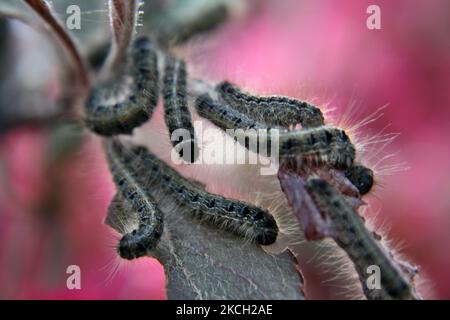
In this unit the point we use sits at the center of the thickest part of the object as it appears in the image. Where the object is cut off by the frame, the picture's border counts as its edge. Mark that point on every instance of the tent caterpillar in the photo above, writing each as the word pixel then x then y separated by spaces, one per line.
pixel 176 112
pixel 223 116
pixel 106 118
pixel 272 110
pixel 240 218
pixel 322 144
pixel 362 247
pixel 138 242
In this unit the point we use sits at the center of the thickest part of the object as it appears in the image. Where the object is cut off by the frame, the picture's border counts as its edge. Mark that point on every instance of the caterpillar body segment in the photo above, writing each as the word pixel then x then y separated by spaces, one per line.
pixel 176 112
pixel 117 106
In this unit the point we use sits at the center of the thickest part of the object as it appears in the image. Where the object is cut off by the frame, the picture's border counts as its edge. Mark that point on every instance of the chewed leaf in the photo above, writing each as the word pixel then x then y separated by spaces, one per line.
pixel 202 262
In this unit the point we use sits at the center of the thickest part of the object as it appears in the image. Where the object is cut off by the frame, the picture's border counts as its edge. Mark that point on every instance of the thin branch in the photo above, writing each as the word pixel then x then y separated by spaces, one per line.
pixel 42 114
pixel 25 19
pixel 42 8
pixel 123 23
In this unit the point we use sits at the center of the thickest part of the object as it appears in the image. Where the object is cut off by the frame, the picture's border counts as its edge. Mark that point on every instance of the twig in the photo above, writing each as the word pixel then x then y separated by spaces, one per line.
pixel 123 23
pixel 42 8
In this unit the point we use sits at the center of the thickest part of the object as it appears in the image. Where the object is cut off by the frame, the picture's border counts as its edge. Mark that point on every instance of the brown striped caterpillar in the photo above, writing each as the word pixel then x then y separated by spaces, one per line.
pixel 320 145
pixel 271 110
pixel 176 112
pixel 240 218
pixel 363 248
pixel 108 115
pixel 143 239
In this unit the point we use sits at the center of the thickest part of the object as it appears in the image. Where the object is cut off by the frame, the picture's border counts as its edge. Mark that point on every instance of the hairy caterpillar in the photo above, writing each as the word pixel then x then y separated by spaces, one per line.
pixel 362 247
pixel 224 116
pixel 147 235
pixel 271 110
pixel 322 144
pixel 243 219
pixel 176 112
pixel 136 106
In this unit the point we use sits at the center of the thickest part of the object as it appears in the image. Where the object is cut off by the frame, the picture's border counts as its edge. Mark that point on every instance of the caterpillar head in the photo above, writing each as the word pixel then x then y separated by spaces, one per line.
pixel 361 177
pixel 268 229
pixel 130 247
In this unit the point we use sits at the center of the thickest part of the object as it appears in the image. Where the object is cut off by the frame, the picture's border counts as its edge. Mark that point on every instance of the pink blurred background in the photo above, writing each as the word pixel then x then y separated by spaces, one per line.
pixel 320 50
